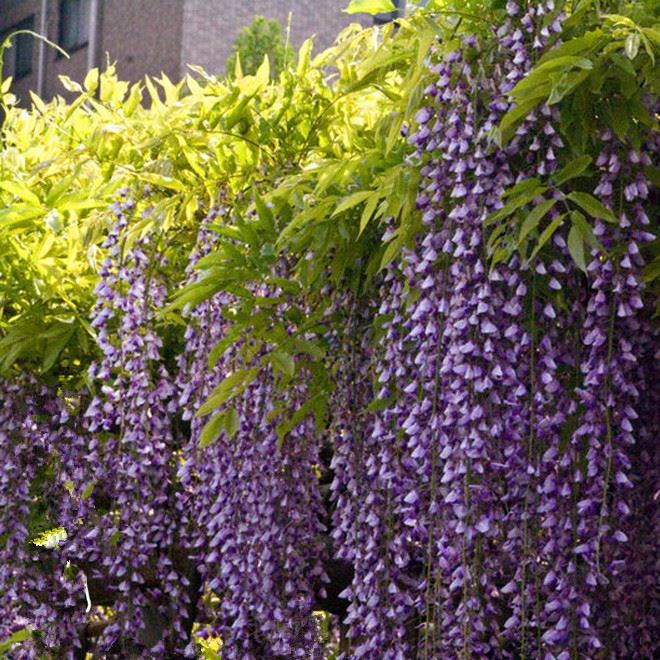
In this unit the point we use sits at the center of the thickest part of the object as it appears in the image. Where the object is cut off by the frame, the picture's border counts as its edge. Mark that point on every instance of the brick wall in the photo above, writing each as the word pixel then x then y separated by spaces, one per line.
pixel 146 37
pixel 211 26
pixel 143 36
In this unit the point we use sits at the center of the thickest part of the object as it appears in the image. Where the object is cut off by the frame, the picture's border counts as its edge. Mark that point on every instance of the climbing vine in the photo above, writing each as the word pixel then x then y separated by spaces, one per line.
pixel 356 361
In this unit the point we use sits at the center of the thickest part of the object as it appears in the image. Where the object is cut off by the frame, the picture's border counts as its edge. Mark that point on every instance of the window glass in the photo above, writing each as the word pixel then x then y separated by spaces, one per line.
pixel 74 23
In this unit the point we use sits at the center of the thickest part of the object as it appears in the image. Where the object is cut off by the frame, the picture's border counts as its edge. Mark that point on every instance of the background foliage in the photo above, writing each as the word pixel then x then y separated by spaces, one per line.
pixel 263 37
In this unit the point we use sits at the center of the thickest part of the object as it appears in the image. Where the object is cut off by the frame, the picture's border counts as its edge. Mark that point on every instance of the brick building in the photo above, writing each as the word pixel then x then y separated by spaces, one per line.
pixel 146 37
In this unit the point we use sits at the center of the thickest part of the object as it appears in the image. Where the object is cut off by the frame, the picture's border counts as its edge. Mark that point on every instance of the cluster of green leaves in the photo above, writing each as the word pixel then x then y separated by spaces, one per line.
pixel 62 164
pixel 317 210
pixel 262 38
pixel 601 76
pixel 310 162
pixel 322 212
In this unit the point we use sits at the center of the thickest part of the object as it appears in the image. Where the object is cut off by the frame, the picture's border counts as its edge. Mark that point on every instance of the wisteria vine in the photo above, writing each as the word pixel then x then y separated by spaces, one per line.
pixel 485 482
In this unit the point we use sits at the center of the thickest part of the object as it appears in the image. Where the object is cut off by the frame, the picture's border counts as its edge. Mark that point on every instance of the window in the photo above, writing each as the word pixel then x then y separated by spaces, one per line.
pixel 74 24
pixel 400 5
pixel 18 58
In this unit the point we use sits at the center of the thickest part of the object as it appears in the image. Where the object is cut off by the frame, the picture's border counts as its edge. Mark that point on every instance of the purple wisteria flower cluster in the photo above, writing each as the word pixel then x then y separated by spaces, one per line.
pixel 252 503
pixel 35 588
pixel 499 463
pixel 498 521
pixel 486 483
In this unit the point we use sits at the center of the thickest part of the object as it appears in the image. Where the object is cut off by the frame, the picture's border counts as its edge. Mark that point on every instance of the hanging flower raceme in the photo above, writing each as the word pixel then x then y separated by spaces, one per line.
pixel 35 587
pixel 128 544
pixel 257 540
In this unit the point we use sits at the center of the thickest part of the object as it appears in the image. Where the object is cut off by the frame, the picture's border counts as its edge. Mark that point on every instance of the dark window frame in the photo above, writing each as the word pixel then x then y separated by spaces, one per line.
pixel 82 27
pixel 21 66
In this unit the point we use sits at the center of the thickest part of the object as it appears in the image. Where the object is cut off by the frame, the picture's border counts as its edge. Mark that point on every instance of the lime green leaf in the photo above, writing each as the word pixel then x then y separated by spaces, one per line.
pixel 592 206
pixel 631 46
pixel 91 81
pixel 51 538
pixel 653 34
pixel 21 191
pixel 230 387
pixel 212 430
pixel 284 362
pixel 571 170
pixel 617 19
pixel 576 248
pixel 232 422
pixel 164 181
pixel 369 7
pixel 304 56
pixel 79 202
pixel 353 200
pixel 88 491
pixel 535 216
pixel 19 636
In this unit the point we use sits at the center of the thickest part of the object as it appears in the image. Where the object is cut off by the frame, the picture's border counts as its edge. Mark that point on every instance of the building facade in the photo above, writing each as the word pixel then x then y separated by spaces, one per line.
pixel 146 37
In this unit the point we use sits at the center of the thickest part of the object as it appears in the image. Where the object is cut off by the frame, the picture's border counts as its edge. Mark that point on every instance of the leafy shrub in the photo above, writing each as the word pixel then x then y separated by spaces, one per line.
pixel 263 37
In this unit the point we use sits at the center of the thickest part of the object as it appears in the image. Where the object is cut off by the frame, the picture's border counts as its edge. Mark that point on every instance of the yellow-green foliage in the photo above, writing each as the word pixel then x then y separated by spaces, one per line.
pixel 325 127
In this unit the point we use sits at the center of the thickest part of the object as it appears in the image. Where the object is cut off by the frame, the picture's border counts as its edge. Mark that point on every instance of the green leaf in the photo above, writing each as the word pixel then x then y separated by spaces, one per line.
pixel 566 85
pixel 568 61
pixel 618 19
pixel 368 212
pixel 311 348
pixel 369 7
pixel 522 187
pixel 230 387
pixel 515 203
pixel 534 217
pixel 265 213
pixel 576 248
pixel 232 422
pixel 621 120
pixel 592 206
pixel 653 34
pixel 587 232
pixel 55 345
pixel 631 46
pixel 283 362
pixel 572 170
pixel 514 116
pixel 212 430
pixel 547 235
